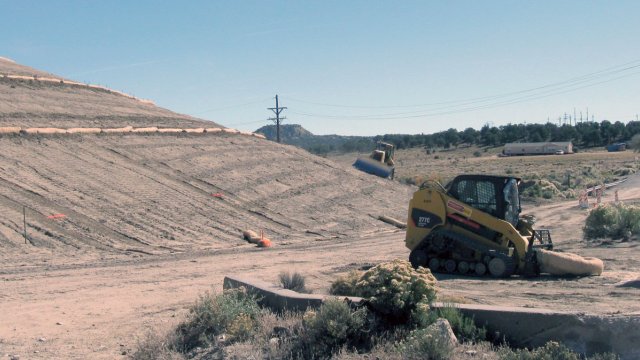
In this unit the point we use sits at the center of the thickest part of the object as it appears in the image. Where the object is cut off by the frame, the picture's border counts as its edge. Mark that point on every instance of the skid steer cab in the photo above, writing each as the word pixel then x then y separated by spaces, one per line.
pixel 473 226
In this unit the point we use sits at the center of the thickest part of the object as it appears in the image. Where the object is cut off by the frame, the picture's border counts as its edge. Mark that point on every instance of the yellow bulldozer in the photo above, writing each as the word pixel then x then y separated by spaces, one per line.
pixel 473 226
pixel 380 162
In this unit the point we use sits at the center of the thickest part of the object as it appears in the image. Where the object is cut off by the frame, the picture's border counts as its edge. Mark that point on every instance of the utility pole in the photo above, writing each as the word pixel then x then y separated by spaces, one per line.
pixel 587 114
pixel 277 110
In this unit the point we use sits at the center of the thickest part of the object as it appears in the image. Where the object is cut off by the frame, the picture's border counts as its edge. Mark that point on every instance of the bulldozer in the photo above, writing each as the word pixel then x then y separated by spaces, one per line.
pixel 473 226
pixel 380 162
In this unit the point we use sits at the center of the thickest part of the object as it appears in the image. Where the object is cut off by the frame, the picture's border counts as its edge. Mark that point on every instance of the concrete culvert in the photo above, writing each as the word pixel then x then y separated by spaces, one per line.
pixel 557 263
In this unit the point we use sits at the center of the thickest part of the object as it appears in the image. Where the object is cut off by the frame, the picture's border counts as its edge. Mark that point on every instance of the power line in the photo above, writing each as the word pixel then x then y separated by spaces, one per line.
pixel 232 106
pixel 246 123
pixel 462 109
pixel 571 81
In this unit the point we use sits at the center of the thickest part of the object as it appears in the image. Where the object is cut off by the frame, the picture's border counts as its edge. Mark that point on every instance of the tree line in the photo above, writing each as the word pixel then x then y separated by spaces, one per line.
pixel 584 134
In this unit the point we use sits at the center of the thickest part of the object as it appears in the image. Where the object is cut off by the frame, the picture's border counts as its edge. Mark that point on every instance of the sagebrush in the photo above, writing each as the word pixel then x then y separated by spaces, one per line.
pixel 295 282
pixel 616 221
pixel 233 313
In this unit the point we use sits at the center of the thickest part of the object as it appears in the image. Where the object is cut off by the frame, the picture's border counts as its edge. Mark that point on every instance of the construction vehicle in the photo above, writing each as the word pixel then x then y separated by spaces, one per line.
pixel 380 162
pixel 473 226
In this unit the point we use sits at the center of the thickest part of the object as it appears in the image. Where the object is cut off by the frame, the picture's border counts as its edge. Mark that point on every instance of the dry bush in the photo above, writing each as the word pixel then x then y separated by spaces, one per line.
pixel 233 313
pixel 155 347
pixel 397 291
pixel 617 221
pixel 333 326
pixel 293 282
pixel 346 285
pixel 550 351
pixel 463 327
pixel 424 344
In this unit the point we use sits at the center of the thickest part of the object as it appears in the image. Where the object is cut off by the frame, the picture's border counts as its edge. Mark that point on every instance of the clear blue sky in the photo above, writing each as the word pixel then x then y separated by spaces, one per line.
pixel 345 67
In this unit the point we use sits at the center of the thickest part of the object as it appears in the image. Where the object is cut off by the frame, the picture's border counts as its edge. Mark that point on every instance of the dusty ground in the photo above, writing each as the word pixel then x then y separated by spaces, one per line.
pixel 142 234
pixel 102 309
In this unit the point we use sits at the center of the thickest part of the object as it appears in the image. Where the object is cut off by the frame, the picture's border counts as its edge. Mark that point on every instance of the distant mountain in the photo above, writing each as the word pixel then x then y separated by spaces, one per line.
pixel 294 134
pixel 288 132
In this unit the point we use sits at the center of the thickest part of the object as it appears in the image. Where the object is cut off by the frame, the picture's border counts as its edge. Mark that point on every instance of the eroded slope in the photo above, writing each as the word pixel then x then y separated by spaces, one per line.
pixel 124 194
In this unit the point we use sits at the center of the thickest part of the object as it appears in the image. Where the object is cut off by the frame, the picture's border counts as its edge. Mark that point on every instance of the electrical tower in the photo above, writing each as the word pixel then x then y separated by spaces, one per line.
pixel 277 110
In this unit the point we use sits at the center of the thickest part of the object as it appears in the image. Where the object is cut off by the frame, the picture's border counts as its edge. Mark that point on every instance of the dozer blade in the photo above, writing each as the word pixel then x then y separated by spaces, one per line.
pixel 371 166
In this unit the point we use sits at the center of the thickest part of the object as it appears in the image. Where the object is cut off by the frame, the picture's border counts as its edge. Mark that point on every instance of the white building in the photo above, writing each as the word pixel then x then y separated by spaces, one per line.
pixel 539 148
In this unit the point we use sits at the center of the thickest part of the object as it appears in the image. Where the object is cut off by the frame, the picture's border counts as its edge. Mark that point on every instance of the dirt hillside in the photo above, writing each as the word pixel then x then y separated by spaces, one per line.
pixel 26 101
pixel 106 195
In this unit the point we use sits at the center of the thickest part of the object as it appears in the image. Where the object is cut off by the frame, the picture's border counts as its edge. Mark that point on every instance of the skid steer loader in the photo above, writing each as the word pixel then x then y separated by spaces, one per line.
pixel 473 226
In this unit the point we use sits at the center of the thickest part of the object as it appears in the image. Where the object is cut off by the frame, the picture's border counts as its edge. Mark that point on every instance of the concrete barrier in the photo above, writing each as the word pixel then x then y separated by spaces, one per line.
pixel 213 130
pixel 586 334
pixel 277 298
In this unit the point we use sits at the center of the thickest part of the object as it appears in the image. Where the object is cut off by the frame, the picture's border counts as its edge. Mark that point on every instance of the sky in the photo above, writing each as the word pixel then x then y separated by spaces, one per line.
pixel 345 67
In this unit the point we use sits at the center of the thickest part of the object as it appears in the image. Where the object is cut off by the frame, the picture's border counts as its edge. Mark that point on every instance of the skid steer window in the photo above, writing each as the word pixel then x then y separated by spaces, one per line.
pixel 512 202
pixel 479 194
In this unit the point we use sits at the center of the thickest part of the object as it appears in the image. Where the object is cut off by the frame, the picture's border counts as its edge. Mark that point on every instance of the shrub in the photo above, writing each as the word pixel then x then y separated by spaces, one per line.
pixel 396 290
pixel 293 282
pixel 614 221
pixel 233 313
pixel 333 326
pixel 477 153
pixel 154 347
pixel 423 344
pixel 550 351
pixel 464 327
pixel 346 285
